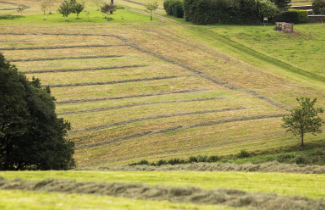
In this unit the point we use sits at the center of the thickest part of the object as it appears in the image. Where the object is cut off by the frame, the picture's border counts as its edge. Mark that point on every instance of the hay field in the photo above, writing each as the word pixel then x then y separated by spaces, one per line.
pixel 158 89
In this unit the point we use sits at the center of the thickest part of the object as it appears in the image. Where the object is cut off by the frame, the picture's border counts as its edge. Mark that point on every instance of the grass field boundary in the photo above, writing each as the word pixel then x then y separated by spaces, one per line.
pixel 117 81
pixel 84 100
pixel 174 128
pixel 100 127
pixel 196 195
pixel 61 47
pixel 261 56
pixel 138 104
pixel 64 58
pixel 87 69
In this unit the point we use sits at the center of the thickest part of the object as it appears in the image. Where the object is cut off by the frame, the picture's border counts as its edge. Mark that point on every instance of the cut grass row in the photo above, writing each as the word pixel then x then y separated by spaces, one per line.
pixel 108 75
pixel 310 185
pixel 17 200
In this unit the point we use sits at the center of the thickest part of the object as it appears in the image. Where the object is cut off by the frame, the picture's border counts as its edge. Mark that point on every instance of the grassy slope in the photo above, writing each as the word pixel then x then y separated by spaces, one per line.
pixel 201 47
pixel 283 184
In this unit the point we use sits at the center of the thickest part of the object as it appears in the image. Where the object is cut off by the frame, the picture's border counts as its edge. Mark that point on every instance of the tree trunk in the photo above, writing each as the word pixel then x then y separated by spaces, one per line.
pixel 302 139
pixel 150 15
pixel 44 16
pixel 111 12
pixel 67 19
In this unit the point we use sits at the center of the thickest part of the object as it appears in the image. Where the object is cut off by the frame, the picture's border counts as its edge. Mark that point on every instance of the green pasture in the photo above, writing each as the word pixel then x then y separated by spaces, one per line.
pixel 16 200
pixel 308 185
pixel 120 15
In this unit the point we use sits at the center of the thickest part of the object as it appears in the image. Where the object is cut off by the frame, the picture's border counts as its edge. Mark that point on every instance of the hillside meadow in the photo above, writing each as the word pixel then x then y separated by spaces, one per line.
pixel 137 89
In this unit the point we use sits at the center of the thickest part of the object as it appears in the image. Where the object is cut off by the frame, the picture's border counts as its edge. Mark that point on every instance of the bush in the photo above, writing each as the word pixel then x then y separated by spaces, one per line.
pixel 202 158
pixel 178 11
pixel 288 17
pixel 319 7
pixel 161 162
pixel 243 154
pixel 175 161
pixel 10 17
pixel 192 159
pixel 318 152
pixel 169 6
pixel 283 157
pixel 212 159
pixel 143 162
pixel 301 159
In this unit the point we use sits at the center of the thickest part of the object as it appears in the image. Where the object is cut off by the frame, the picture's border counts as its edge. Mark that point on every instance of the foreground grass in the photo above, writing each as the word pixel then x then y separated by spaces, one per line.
pixel 12 200
pixel 310 185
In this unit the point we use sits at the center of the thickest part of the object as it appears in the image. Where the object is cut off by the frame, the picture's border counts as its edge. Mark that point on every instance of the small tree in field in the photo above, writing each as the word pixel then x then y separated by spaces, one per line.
pixel 97 2
pixel 107 8
pixel 44 6
pixel 304 118
pixel 21 9
pixel 153 6
pixel 78 8
pixel 66 8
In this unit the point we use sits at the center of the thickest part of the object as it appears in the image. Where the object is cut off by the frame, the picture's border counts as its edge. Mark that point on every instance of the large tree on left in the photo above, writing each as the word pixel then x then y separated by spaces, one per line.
pixel 31 135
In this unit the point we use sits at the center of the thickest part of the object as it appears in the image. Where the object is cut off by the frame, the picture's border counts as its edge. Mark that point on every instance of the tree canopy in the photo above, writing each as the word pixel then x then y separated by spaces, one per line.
pixel 304 118
pixel 31 135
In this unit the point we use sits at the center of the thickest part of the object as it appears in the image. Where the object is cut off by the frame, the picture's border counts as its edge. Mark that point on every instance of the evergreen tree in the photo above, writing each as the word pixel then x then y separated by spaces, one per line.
pixel 283 5
pixel 31 135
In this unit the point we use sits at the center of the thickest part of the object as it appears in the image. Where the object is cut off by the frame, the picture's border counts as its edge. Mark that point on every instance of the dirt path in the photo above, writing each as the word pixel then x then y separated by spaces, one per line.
pixel 116 81
pixel 83 100
pixel 228 197
pixel 87 69
pixel 137 104
pixel 100 127
pixel 246 167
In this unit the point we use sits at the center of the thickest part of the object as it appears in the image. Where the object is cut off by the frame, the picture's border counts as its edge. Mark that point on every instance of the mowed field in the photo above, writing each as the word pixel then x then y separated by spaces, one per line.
pixel 159 89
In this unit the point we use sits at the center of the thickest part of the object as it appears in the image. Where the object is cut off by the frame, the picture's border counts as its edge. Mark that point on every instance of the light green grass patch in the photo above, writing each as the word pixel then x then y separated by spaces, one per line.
pixel 15 200
pixel 309 185
pixel 121 15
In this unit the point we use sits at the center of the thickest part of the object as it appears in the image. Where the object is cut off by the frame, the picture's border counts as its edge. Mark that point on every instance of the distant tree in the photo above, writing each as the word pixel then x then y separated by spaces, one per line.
pixel 31 135
pixel 78 8
pixel 50 4
pixel 44 6
pixel 21 9
pixel 319 7
pixel 153 6
pixel 283 5
pixel 304 118
pixel 66 8
pixel 267 8
pixel 107 8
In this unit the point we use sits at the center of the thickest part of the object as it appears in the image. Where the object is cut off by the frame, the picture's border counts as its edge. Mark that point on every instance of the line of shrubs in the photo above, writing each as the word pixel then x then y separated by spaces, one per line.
pixel 315 157
pixel 191 159
pixel 10 17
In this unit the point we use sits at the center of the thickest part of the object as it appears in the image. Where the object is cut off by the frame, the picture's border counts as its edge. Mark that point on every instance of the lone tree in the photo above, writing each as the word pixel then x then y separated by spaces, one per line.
pixel 283 5
pixel 44 6
pixel 31 135
pixel 66 8
pixel 97 2
pixel 107 8
pixel 50 4
pixel 21 9
pixel 79 7
pixel 153 6
pixel 304 118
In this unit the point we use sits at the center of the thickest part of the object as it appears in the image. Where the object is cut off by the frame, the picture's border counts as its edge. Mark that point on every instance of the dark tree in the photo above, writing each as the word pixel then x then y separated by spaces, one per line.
pixel 283 5
pixel 304 118
pixel 66 8
pixel 31 135
pixel 107 8
pixel 78 8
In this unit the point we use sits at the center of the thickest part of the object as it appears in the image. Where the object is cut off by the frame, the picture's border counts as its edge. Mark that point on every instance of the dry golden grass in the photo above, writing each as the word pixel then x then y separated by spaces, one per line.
pixel 109 75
